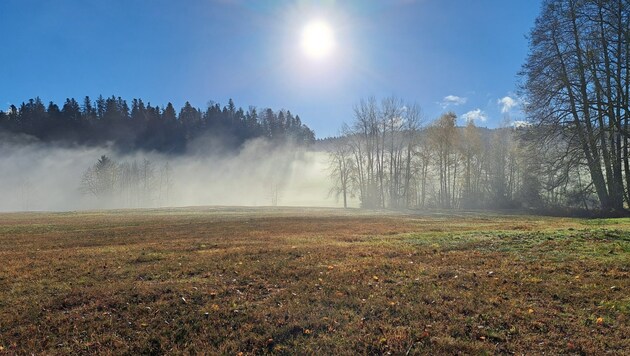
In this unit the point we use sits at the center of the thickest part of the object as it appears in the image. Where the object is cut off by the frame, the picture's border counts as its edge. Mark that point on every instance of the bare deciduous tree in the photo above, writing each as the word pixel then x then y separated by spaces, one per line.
pixel 577 86
pixel 341 166
pixel 100 180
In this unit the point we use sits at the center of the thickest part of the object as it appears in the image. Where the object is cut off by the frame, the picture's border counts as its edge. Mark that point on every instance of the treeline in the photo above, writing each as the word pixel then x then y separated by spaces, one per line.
pixel 141 126
pixel 389 158
pixel 129 184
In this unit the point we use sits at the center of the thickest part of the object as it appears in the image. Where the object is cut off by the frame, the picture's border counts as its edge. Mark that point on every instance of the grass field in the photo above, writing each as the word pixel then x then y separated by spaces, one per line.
pixel 312 281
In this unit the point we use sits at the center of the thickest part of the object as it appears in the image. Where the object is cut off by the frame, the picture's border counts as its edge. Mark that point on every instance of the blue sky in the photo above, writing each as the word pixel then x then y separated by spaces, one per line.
pixel 459 55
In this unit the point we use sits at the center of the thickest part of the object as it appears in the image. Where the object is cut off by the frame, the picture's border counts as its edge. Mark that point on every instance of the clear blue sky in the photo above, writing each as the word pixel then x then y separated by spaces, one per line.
pixel 199 50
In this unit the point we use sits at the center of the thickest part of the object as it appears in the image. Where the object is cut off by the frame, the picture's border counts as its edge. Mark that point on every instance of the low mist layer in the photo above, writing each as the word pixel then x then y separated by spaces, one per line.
pixel 40 176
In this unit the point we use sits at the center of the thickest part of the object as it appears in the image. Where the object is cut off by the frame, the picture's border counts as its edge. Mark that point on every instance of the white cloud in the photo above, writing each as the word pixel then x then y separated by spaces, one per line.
pixel 476 115
pixel 521 123
pixel 507 103
pixel 452 100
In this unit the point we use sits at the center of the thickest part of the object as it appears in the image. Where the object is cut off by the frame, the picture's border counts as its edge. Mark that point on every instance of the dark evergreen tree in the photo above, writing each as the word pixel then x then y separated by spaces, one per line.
pixel 88 111
pixel 100 107
pixel 32 117
pixel 111 115
pixel 54 121
pixel 139 118
pixel 169 117
pixel 4 121
pixel 251 123
pixel 13 119
pixel 72 114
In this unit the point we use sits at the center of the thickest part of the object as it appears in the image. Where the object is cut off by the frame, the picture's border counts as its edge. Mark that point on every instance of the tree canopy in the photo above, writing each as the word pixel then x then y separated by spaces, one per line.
pixel 141 126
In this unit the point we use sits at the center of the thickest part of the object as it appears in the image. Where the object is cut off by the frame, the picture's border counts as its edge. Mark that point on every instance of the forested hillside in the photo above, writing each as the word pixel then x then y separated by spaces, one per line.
pixel 141 126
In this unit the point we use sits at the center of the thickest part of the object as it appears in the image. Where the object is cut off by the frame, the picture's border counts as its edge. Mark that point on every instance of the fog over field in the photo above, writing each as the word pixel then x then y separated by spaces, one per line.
pixel 49 177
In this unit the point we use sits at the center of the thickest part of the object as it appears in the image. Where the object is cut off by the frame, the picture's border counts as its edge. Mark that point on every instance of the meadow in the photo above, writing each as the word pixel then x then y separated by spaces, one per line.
pixel 241 281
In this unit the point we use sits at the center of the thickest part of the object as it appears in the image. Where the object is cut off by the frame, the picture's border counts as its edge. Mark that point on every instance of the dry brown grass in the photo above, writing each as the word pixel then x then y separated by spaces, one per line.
pixel 312 281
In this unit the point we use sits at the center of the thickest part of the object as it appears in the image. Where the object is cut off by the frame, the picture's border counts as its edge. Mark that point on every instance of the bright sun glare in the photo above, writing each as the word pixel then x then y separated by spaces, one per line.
pixel 318 39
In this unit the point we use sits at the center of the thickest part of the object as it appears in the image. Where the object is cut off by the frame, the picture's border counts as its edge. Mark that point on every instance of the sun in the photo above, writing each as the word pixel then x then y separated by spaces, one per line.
pixel 318 39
